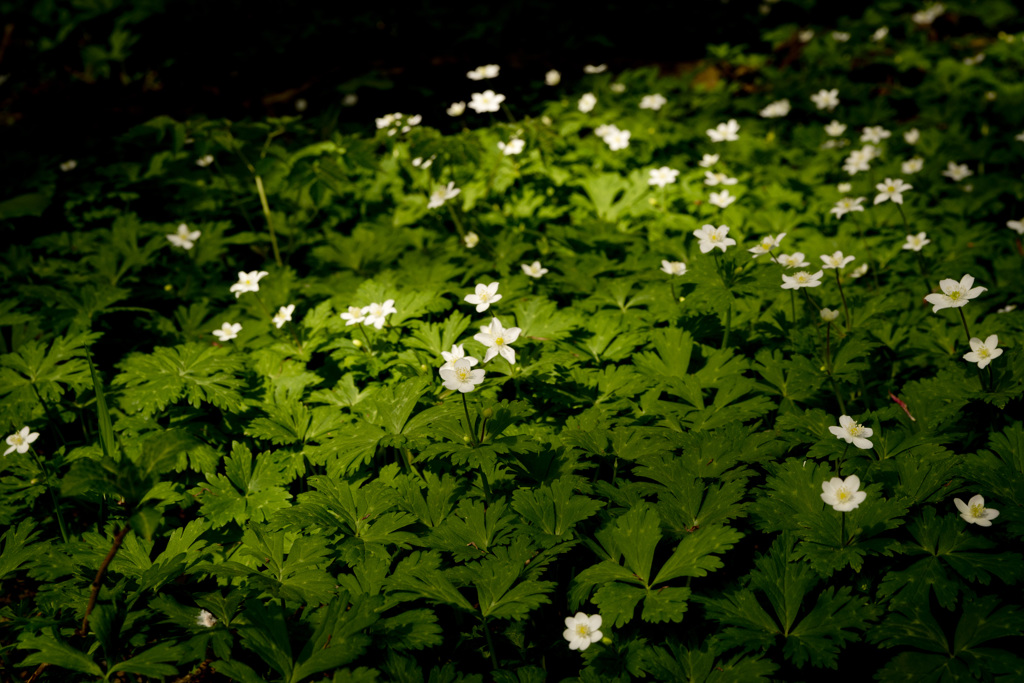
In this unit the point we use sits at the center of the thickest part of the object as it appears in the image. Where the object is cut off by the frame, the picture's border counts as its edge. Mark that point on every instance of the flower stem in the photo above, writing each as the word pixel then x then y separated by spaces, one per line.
pixel 963 319
pixel 792 304
pixel 490 643
pixel 53 496
pixel 270 222
pixel 469 422
pixel 842 530
pixel 842 295
pixel 906 225
pixel 362 328
pixel 456 220
pixel 728 324
pixel 828 347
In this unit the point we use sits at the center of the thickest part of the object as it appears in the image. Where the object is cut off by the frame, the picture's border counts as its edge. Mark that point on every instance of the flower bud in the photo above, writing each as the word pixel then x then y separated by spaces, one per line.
pixel 356 343
pixel 488 413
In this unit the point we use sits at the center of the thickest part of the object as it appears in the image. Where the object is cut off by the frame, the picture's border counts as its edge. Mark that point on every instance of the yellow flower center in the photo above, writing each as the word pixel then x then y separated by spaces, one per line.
pixel 891 188
pixel 842 495
pixel 977 511
pixel 984 352
pixel 17 440
pixel 714 237
pixel 582 630
pixel 954 295
pixel 500 341
pixel 855 430
pixel 801 277
pixel 462 374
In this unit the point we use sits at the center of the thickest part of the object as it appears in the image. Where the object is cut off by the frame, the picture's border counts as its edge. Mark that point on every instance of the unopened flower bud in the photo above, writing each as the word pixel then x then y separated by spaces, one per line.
pixel 488 413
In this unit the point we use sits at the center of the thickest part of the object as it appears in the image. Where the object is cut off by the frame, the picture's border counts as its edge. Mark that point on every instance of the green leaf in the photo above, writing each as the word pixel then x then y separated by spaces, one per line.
pixel 197 372
pixel 20 550
pixel 57 653
pixel 554 509
pixel 157 662
pixel 676 663
pixel 249 491
pixel 419 576
pixel 696 554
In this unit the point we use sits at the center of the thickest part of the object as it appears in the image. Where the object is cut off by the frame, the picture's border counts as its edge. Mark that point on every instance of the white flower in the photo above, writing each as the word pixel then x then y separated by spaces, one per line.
pixel 20 441
pixel 673 267
pixel 284 315
pixel 912 165
pixel 377 313
pixel 205 619
pixel 880 33
pixel 776 109
pixel 552 77
pixel 826 99
pixel 836 260
pixel 794 260
pixel 805 36
pixel 617 139
pixel 460 375
pixel 662 176
pixel 385 121
pixel 456 109
pixel 204 161
pixel 835 128
pixel 852 432
pixel 721 199
pixel 484 296
pixel 184 238
pixel 891 189
pixel 983 352
pixel 655 101
pixel 349 100
pixel 844 187
pixel 587 102
pixel 828 314
pixel 847 205
pixel 840 36
pixel 497 339
pixel 228 331
pixel 916 242
pixel 618 88
pixel 859 271
pixel 486 101
pixel 605 129
pixel 842 494
pixel 858 160
pixel 912 136
pixel 471 239
pixel 514 146
pixel 926 16
pixel 68 165
pixel 957 172
pixel 874 134
pixel 301 105
pixel 534 269
pixel 483 72
pixel 708 160
pixel 975 512
pixel 725 132
pixel 711 178
pixel 802 279
pixel 1019 137
pixel 248 282
pixel 1008 308
pixel 954 294
pixel 592 69
pixel 457 353
pixel 975 60
pixel 711 237
pixel 439 196
pixel 353 316
pixel 766 244
pixel 1016 226
pixel 581 631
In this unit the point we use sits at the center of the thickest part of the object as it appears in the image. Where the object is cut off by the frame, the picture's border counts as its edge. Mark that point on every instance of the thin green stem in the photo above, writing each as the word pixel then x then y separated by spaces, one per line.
pixel 906 224
pixel 792 304
pixel 828 347
pixel 270 222
pixel 490 643
pixel 458 222
pixel 839 397
pixel 963 319
pixel 728 325
pixel 842 529
pixel 362 328
pixel 53 496
pixel 469 421
pixel 842 295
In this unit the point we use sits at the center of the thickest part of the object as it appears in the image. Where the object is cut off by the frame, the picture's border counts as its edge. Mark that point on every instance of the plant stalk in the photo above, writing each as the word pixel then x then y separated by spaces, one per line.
pixel 94 593
pixel 270 222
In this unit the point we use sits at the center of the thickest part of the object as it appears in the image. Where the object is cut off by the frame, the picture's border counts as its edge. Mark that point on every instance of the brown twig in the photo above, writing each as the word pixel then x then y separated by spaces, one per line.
pixel 99 578
pixel 38 671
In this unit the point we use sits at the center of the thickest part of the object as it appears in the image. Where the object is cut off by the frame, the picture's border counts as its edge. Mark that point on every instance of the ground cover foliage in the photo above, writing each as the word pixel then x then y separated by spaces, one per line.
pixel 256 435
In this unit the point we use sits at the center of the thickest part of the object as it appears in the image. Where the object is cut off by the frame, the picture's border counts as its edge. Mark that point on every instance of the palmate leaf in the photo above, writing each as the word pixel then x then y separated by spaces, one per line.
pixel 50 370
pixel 474 528
pixel 419 576
pixel 677 663
pixel 503 592
pixel 554 509
pixel 250 490
pixel 935 658
pixel 634 537
pixel 946 551
pixel 686 501
pixel 812 634
pixel 20 550
pixel 197 372
pixel 54 652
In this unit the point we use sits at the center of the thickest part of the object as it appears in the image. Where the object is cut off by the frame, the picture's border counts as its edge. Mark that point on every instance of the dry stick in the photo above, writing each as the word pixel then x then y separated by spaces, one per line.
pixel 99 577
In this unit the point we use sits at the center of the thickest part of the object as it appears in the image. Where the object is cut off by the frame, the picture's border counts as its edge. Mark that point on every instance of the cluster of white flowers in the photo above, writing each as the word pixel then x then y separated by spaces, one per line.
pixel 484 72
pixel 615 138
pixel 398 122
pixel 373 315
